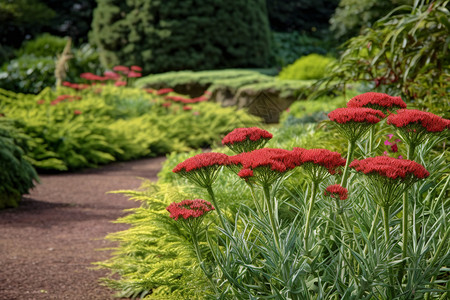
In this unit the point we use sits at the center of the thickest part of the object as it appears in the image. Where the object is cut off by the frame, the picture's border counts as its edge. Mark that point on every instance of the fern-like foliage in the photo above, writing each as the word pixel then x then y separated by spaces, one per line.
pixel 154 258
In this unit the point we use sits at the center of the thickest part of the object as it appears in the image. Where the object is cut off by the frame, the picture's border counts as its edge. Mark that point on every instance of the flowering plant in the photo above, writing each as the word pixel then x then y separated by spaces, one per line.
pixel 380 101
pixel 291 242
pixel 246 139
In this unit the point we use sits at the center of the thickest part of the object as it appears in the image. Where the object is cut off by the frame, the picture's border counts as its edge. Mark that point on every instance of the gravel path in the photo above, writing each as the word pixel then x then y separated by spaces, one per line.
pixel 48 243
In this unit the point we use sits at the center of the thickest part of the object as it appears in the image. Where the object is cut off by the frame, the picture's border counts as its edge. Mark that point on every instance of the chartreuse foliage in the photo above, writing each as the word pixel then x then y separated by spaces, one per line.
pixel 312 66
pixel 102 124
pixel 17 175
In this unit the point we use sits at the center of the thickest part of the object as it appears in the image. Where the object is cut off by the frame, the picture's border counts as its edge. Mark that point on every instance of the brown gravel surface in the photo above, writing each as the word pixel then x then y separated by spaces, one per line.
pixel 48 243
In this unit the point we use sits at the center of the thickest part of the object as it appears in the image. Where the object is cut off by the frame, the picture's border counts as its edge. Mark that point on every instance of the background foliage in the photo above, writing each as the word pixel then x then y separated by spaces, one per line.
pixel 405 53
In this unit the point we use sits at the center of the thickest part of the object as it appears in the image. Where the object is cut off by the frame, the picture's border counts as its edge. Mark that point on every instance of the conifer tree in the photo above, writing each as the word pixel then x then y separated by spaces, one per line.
pixel 176 35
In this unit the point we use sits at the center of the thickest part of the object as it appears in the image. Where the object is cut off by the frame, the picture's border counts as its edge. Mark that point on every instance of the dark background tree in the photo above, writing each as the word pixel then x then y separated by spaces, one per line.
pixel 304 16
pixel 175 35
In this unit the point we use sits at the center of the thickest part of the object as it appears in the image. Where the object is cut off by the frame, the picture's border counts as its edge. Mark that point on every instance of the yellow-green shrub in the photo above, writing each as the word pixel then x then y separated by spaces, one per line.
pixel 312 66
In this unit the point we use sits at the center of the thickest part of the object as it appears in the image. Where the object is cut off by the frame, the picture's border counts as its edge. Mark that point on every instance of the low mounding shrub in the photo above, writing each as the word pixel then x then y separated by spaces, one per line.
pixel 312 66
pixel 17 175
pixel 298 223
pixel 43 45
pixel 86 125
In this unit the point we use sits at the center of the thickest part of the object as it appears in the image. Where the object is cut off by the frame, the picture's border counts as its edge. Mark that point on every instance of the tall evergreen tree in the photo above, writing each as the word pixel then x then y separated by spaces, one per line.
pixel 175 35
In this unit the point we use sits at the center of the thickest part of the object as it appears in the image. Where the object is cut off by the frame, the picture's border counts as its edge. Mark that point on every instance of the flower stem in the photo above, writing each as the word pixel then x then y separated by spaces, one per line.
pixel 371 138
pixel 405 221
pixel 308 216
pixel 386 236
pixel 351 147
pixel 201 262
pixel 276 235
pixel 219 211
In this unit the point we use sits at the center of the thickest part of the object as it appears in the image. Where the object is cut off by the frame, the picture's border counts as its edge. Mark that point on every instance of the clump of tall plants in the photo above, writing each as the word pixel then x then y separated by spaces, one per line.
pixel 373 227
pixel 305 222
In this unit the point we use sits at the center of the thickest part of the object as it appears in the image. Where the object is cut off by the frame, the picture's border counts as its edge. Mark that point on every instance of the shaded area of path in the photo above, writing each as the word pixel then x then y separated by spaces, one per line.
pixel 48 244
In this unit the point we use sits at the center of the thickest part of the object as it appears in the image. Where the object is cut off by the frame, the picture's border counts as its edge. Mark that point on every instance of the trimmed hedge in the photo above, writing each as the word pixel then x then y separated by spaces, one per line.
pixel 234 87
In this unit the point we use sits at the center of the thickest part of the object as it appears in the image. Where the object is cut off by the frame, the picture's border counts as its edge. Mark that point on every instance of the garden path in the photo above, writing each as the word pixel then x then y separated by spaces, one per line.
pixel 48 243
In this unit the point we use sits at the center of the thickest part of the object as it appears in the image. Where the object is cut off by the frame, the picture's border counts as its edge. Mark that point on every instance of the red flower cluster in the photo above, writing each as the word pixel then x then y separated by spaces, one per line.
pixel 61 98
pixel 187 107
pixel 430 122
pixel 279 160
pixel 186 100
pixel 76 86
pixel 136 68
pixel 356 114
pixel 322 157
pixel 202 160
pixel 336 190
pixel 120 83
pixel 133 74
pixel 164 91
pixel 390 167
pixel 189 209
pixel 93 77
pixel 241 134
pixel 77 112
pixel 376 101
pixel 122 69
pixel 245 173
pixel 111 75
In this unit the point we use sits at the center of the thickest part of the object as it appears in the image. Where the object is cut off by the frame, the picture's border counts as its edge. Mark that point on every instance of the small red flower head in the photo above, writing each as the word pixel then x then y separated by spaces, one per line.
pixel 187 107
pixel 166 104
pixel 189 209
pixel 41 101
pixel 246 139
pixel 354 122
pixel 120 83
pixel 379 101
pixel 202 168
pixel 336 190
pixel 245 173
pixel 77 112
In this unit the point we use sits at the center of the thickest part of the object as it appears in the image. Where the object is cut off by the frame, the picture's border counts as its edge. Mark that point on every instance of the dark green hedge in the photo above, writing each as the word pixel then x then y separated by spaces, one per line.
pixel 179 35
